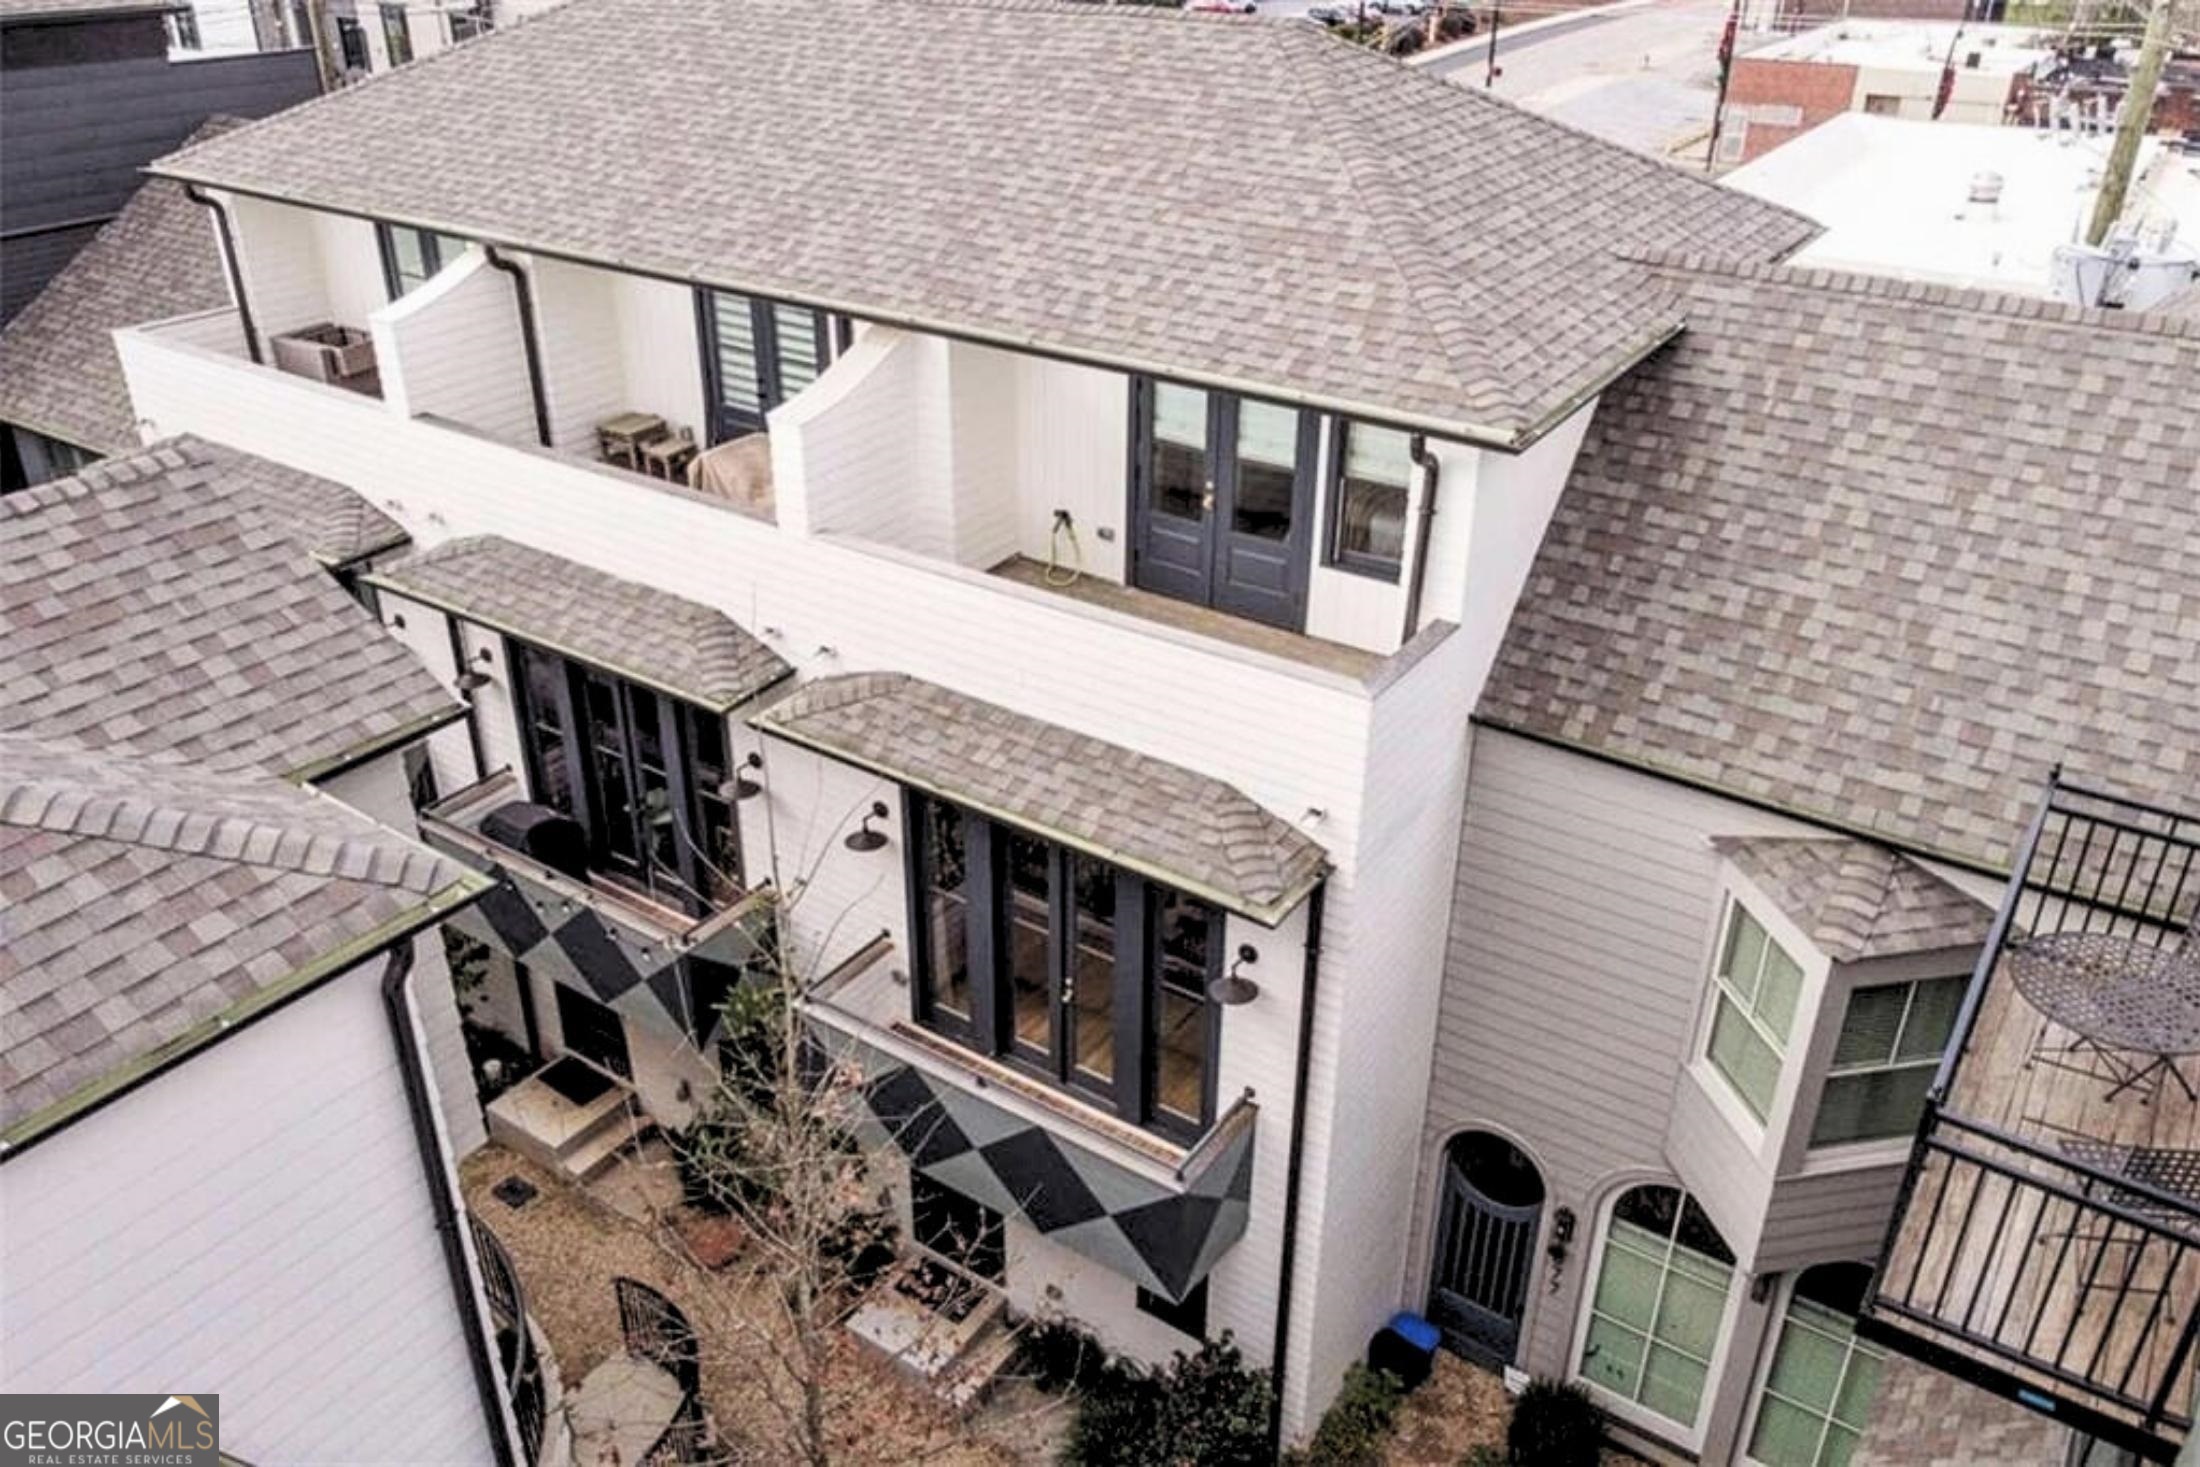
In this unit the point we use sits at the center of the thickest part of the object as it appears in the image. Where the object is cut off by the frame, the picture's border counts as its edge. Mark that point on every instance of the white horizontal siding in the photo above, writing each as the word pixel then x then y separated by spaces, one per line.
pixel 254 1220
pixel 452 349
pixel 577 324
pixel 279 256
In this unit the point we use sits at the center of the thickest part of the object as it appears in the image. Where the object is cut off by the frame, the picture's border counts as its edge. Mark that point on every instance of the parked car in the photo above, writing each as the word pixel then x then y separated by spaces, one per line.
pixel 1223 7
pixel 1333 15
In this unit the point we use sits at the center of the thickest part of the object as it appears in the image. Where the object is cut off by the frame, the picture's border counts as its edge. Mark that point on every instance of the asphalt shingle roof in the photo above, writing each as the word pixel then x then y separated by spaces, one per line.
pixel 157 604
pixel 145 896
pixel 1185 829
pixel 1252 204
pixel 1858 900
pixel 59 374
pixel 683 647
pixel 1881 553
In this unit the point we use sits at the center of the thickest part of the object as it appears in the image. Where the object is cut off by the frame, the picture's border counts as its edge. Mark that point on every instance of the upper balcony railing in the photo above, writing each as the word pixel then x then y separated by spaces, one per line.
pixel 2046 1240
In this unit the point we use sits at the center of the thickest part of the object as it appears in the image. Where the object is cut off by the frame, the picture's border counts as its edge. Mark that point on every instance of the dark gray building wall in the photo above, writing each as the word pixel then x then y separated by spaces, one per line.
pixel 75 135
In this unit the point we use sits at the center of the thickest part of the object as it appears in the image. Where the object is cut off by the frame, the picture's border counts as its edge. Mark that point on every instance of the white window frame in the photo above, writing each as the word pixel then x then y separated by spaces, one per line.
pixel 1717 987
pixel 1761 1377
pixel 1633 1413
pixel 1832 1071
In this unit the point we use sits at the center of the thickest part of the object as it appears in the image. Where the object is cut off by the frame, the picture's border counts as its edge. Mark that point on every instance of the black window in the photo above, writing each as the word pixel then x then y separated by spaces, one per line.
pixel 1370 471
pixel 352 41
pixel 757 353
pixel 476 20
pixel 959 1229
pixel 396 35
pixel 1082 974
pixel 594 1031
pixel 411 257
pixel 183 30
pixel 1188 1317
pixel 643 772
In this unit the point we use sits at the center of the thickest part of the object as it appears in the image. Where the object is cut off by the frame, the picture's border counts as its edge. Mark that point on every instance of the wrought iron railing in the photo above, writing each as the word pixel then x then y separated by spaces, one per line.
pixel 508 1312
pixel 2055 1258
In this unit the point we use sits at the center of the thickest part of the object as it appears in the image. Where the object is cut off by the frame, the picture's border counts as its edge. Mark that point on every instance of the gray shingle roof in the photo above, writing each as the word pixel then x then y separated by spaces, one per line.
pixel 59 373
pixel 1249 203
pixel 1882 553
pixel 1858 900
pixel 682 647
pixel 145 896
pixel 154 604
pixel 1182 828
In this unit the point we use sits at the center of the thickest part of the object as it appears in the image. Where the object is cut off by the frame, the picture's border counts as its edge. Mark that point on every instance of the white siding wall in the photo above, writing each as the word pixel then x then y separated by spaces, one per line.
pixel 452 349
pixel 380 791
pixel 279 254
pixel 450 749
pixel 660 357
pixel 254 1220
pixel 351 263
pixel 865 451
pixel 577 321
pixel 1073 453
pixel 982 434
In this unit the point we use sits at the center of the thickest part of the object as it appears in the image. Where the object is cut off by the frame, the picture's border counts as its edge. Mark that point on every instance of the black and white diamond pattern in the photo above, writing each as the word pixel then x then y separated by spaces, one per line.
pixel 1165 1238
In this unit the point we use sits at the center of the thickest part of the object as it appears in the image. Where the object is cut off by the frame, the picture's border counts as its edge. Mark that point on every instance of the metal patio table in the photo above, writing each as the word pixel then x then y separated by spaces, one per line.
pixel 2121 998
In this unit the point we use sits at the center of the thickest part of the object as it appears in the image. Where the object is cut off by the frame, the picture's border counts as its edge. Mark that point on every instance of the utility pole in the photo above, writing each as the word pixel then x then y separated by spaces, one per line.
pixel 321 61
pixel 1497 16
pixel 1727 40
pixel 2138 112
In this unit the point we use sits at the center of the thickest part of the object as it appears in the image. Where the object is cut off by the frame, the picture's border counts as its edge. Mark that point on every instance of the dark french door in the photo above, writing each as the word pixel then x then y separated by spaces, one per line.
pixel 757 353
pixel 1222 500
pixel 1487 1218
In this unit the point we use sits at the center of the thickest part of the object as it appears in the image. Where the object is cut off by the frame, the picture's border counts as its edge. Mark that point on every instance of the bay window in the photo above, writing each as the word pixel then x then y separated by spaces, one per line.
pixel 1819 1391
pixel 1659 1303
pixel 757 353
pixel 1371 471
pixel 1891 1040
pixel 1075 971
pixel 1756 986
pixel 642 772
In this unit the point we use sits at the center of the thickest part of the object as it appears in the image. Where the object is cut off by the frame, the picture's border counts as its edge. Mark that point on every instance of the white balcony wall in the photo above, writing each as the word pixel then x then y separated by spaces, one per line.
pixel 865 451
pixel 660 355
pixel 583 363
pixel 279 256
pixel 452 349
pixel 351 263
pixel 1073 453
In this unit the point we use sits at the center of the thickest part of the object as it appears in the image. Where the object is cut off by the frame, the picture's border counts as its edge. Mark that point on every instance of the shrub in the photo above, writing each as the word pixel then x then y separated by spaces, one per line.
pixel 1058 1356
pixel 1485 1454
pixel 1356 1424
pixel 1208 1409
pixel 1555 1424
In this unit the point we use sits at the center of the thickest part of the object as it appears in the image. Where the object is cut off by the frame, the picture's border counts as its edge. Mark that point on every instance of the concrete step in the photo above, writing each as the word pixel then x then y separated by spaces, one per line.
pixel 598 1151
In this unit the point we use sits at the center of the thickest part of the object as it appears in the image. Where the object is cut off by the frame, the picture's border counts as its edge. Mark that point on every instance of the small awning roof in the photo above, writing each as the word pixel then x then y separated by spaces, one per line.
pixel 1857 900
pixel 678 646
pixel 1183 829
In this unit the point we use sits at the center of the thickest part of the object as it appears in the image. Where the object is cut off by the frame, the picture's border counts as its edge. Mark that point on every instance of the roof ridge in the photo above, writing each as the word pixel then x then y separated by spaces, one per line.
pixel 1356 155
pixel 1930 294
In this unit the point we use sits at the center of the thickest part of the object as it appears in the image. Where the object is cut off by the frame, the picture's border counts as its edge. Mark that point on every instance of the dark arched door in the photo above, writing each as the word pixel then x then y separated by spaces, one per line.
pixel 1490 1204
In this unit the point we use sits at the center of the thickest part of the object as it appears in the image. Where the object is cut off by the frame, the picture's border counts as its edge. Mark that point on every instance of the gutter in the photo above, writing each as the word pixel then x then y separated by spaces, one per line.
pixel 230 266
pixel 523 291
pixel 1294 1174
pixel 1503 440
pixel 1431 472
pixel 473 715
pixel 343 763
pixel 435 1171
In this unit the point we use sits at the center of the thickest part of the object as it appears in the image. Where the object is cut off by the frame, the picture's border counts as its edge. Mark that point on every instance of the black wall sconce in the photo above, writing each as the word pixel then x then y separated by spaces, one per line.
pixel 867 839
pixel 1234 987
pixel 1562 1237
pixel 745 788
pixel 473 678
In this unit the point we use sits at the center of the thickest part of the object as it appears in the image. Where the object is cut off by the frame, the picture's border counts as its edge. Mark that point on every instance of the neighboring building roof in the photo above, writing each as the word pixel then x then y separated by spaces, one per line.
pixel 1895 196
pixel 59 374
pixel 159 604
pixel 151 904
pixel 1250 204
pixel 678 646
pixel 56 10
pixel 1857 900
pixel 1881 554
pixel 1916 45
pixel 1183 829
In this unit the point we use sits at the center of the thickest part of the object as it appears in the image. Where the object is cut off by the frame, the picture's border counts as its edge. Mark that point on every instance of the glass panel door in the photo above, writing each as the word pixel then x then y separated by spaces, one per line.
pixel 1266 486
pixel 610 777
pixel 1176 484
pixel 946 998
pixel 1185 932
pixel 1089 1005
pixel 739 404
pixel 1028 913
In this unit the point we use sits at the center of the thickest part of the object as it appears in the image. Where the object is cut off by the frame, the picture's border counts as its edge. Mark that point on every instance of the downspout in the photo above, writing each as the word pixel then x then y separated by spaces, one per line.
pixel 230 266
pixel 1417 449
pixel 523 290
pixel 473 714
pixel 396 1000
pixel 1280 1354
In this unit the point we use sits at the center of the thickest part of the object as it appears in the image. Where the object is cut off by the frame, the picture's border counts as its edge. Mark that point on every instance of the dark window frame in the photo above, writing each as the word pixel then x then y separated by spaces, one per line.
pixel 724 420
pixel 601 1029
pixel 688 886
pixel 978 1242
pixel 432 255
pixel 1187 1316
pixel 183 30
pixel 1132 1090
pixel 396 32
pixel 1335 556
pixel 351 40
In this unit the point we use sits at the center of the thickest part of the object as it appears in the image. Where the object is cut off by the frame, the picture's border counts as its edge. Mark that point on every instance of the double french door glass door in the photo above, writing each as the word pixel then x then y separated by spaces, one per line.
pixel 1222 500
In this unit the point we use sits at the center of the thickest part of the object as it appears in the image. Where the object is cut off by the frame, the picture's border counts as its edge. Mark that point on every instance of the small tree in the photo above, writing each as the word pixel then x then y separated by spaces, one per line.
pixel 1555 1424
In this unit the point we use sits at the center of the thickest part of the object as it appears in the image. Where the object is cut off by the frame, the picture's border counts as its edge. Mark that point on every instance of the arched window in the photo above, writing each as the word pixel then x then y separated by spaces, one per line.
pixel 1660 1300
pixel 1820 1387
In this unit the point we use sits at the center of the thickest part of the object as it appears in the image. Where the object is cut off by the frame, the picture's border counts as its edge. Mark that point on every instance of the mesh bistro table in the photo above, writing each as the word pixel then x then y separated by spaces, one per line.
pixel 2134 1007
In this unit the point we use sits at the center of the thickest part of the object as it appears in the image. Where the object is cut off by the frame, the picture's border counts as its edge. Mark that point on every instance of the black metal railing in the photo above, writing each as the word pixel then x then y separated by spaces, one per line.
pixel 515 1344
pixel 2049 1258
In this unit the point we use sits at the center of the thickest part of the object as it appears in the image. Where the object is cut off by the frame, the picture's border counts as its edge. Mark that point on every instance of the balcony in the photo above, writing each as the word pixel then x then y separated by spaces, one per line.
pixel 1160 1214
pixel 2045 1243
pixel 642 958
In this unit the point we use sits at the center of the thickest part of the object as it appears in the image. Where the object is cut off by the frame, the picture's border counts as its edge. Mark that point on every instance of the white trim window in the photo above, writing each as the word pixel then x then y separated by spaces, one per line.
pixel 1659 1305
pixel 1892 1035
pixel 1818 1392
pixel 1755 989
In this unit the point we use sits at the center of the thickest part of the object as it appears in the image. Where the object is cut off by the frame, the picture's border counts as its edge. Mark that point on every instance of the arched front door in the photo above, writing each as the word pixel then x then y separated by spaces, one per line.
pixel 1490 1202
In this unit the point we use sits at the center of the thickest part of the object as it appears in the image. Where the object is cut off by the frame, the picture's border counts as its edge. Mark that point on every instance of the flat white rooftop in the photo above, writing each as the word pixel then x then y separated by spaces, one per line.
pixel 1895 45
pixel 1894 196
